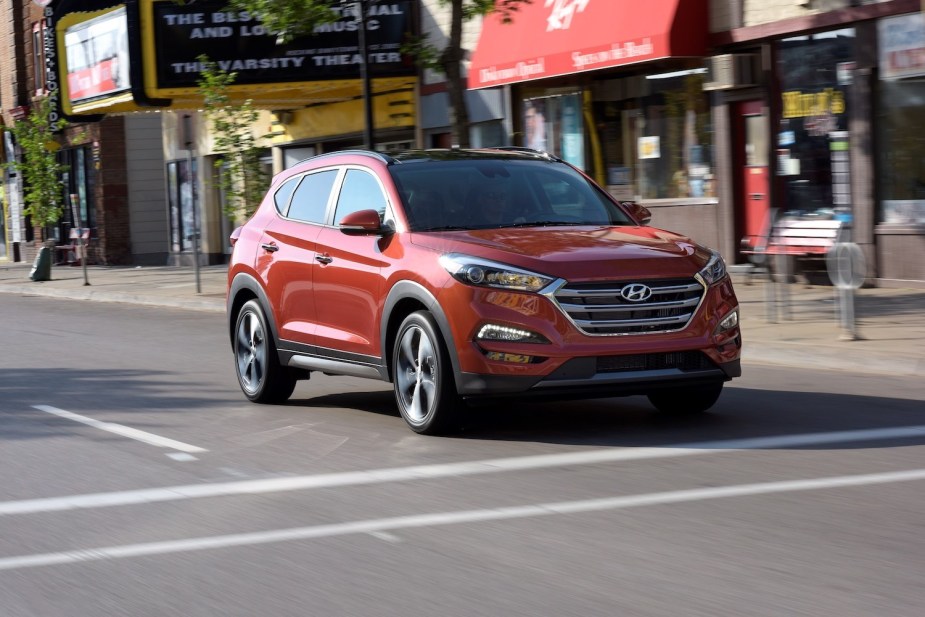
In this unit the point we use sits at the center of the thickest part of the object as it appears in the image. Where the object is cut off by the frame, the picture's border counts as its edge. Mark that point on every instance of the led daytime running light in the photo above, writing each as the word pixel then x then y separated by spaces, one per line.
pixel 494 332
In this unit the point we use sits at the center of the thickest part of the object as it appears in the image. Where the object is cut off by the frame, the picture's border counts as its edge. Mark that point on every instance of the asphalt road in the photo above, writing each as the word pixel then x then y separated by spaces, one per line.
pixel 136 480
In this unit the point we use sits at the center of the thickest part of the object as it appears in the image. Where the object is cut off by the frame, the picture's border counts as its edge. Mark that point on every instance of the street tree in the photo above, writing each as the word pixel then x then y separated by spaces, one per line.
pixel 290 18
pixel 38 165
pixel 242 179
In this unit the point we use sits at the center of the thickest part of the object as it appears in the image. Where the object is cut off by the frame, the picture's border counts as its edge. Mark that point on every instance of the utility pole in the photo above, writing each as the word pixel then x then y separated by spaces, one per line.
pixel 368 141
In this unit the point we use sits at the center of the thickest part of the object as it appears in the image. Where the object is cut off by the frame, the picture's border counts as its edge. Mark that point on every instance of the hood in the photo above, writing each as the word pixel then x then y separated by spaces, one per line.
pixel 578 253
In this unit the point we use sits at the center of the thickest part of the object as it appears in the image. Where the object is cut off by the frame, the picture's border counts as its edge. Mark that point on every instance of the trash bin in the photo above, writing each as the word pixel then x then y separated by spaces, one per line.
pixel 41 267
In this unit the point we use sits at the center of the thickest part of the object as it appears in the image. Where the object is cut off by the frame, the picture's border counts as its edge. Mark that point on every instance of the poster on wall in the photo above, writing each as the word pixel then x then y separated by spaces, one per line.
pixel 554 124
pixel 572 142
pixel 97 56
pixel 650 147
pixel 535 124
pixel 902 46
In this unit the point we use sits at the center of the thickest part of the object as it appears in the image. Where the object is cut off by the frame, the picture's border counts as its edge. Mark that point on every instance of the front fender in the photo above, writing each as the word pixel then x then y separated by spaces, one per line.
pixel 404 290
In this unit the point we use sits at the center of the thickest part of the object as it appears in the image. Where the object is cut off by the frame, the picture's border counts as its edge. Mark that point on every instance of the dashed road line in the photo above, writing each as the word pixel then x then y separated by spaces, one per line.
pixel 446 470
pixel 377 527
pixel 125 431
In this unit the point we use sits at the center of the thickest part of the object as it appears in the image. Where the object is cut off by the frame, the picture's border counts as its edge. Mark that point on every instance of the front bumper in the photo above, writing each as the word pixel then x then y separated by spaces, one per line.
pixel 582 378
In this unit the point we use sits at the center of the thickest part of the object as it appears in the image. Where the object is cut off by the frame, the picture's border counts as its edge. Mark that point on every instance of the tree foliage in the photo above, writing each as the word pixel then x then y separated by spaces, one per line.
pixel 242 179
pixel 43 187
pixel 292 18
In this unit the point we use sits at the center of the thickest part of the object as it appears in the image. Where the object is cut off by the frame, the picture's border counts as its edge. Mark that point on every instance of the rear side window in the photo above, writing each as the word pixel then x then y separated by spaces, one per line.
pixel 282 195
pixel 311 198
pixel 360 191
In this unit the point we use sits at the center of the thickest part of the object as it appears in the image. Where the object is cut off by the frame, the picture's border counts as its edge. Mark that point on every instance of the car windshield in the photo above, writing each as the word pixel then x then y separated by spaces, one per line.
pixel 443 195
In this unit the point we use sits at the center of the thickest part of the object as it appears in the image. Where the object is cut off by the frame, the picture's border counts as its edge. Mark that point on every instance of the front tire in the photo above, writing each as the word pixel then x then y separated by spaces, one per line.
pixel 425 389
pixel 261 377
pixel 686 401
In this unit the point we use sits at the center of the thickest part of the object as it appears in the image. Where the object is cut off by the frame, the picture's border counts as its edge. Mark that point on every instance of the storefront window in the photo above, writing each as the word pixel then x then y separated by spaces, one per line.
pixel 674 138
pixel 901 121
pixel 815 73
pixel 657 143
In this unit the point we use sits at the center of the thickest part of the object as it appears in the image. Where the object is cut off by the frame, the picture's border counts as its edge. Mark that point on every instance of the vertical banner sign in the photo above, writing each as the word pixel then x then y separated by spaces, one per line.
pixel 51 67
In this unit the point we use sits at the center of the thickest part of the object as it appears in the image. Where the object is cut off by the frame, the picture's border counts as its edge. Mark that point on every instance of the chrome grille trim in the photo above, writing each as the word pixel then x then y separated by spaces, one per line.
pixel 599 310
pixel 596 308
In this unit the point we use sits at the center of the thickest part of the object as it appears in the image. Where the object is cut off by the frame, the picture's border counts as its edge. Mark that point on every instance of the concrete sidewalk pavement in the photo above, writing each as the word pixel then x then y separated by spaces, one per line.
pixel 891 322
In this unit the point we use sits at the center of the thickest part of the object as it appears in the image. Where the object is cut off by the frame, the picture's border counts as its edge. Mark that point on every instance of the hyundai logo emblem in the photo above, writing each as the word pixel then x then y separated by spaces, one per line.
pixel 637 292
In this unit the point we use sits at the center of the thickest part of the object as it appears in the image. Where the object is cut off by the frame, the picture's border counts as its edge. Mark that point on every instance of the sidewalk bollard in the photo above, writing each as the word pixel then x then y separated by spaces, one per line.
pixel 847 266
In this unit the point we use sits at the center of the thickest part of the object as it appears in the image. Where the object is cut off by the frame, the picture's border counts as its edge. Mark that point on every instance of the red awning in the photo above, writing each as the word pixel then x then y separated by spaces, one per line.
pixel 560 37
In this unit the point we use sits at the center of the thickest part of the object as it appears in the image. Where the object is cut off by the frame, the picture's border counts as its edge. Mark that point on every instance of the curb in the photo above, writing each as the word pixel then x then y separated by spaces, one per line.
pixel 201 304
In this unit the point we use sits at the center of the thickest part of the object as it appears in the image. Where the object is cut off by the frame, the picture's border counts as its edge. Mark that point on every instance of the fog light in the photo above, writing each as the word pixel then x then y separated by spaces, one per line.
pixel 508 357
pixel 494 332
pixel 729 322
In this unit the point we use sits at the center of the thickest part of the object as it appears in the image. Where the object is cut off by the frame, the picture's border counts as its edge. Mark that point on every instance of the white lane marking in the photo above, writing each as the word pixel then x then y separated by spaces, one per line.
pixel 378 526
pixel 386 537
pixel 181 456
pixel 119 429
pixel 443 470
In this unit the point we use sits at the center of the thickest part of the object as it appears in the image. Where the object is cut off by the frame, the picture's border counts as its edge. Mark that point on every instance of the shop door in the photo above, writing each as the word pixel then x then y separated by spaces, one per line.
pixel 753 212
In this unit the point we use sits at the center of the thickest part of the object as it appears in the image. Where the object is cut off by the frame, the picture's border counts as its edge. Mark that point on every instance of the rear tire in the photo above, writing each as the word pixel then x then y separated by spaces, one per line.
pixel 425 389
pixel 261 377
pixel 686 401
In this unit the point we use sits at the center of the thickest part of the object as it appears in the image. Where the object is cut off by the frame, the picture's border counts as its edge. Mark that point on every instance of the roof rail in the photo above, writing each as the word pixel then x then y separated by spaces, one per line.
pixel 524 149
pixel 385 158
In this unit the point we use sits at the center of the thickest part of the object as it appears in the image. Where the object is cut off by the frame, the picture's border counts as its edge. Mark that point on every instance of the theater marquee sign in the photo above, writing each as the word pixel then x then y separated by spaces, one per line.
pixel 237 41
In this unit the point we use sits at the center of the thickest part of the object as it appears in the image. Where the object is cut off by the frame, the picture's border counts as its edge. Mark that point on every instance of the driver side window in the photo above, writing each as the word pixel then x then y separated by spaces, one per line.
pixel 360 191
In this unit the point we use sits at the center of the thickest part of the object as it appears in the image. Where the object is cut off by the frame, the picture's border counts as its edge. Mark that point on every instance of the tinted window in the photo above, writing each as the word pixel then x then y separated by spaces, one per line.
pixel 282 195
pixel 311 198
pixel 360 192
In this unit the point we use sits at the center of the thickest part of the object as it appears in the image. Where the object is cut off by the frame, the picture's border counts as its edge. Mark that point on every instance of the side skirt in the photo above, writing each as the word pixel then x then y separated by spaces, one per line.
pixel 332 362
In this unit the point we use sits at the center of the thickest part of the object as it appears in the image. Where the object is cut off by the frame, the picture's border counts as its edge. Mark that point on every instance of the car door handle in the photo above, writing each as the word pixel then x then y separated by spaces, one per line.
pixel 325 259
pixel 270 248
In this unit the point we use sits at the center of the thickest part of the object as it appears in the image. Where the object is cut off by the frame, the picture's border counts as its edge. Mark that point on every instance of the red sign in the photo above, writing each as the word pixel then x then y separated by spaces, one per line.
pixel 559 37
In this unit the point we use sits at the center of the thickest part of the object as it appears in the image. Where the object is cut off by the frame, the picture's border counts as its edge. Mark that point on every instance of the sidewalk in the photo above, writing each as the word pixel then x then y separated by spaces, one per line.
pixel 891 322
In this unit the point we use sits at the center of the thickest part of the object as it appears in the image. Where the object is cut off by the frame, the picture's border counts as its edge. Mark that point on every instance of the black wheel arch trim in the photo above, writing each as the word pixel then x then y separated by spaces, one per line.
pixel 240 282
pixel 404 290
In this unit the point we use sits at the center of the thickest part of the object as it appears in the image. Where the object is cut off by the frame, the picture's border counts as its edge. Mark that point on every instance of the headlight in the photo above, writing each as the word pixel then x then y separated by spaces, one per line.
pixel 485 273
pixel 715 270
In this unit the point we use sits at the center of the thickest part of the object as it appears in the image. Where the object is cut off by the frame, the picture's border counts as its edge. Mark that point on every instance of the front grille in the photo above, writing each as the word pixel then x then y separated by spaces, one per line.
pixel 600 309
pixel 683 360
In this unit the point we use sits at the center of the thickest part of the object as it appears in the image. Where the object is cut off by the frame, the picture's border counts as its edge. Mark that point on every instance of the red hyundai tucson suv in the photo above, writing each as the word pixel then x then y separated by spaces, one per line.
pixel 464 274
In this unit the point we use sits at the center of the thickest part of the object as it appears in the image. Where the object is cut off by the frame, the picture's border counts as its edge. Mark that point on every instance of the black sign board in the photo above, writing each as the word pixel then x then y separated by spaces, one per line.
pixel 237 42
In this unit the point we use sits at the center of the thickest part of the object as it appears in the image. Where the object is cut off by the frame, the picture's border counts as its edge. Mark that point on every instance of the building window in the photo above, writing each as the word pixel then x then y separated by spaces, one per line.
pixel 38 56
pixel 655 136
pixel 901 120
pixel 674 139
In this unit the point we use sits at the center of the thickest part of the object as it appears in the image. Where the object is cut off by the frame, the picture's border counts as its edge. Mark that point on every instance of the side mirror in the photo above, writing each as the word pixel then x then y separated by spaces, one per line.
pixel 362 222
pixel 638 212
